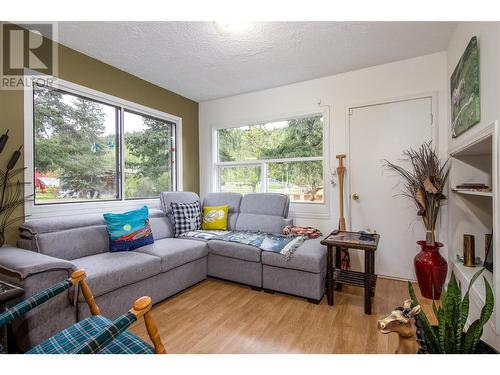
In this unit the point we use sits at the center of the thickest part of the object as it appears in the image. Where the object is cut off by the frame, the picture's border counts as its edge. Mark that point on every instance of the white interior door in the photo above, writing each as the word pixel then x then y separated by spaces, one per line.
pixel 376 133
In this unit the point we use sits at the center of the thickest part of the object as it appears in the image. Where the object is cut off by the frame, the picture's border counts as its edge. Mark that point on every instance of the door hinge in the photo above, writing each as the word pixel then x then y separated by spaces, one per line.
pixel 432 119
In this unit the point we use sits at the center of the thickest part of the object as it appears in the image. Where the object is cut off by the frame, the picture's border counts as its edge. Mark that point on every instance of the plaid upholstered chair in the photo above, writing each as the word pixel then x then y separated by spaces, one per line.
pixel 95 334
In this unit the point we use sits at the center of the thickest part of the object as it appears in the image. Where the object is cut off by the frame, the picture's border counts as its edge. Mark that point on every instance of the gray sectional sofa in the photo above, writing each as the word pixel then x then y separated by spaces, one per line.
pixel 50 249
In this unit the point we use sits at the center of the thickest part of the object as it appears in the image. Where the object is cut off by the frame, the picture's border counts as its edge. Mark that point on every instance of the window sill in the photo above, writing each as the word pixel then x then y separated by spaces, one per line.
pixel 87 208
pixel 308 210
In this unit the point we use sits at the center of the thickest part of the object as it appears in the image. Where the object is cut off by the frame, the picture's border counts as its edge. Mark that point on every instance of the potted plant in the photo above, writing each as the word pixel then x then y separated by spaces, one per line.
pixel 449 336
pixel 423 182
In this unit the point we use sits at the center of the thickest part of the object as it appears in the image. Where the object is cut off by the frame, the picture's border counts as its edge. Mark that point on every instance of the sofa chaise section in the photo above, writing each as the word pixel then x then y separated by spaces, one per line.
pixel 304 274
pixel 232 261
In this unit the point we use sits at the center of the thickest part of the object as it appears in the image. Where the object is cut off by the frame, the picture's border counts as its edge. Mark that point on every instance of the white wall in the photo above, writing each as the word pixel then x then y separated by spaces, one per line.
pixel 488 35
pixel 421 75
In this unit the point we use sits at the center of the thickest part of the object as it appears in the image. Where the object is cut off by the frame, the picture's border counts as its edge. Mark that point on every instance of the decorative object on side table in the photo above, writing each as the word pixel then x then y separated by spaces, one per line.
pixel 465 92
pixel 8 293
pixel 449 336
pixel 11 192
pixel 423 183
pixel 351 240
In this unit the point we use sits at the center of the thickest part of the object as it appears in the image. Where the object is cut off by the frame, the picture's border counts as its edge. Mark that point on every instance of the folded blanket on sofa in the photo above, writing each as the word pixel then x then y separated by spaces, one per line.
pixel 203 234
pixel 276 243
pixel 309 232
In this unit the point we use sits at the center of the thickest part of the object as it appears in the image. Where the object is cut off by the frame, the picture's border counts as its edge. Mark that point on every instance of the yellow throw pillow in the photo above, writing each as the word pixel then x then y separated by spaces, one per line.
pixel 215 218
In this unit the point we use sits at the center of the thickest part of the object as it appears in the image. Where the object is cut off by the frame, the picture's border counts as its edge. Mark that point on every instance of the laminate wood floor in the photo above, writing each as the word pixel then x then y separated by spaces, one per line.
pixel 216 316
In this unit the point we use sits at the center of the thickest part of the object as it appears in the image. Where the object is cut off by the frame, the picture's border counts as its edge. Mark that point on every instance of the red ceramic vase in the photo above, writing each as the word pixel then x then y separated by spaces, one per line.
pixel 431 269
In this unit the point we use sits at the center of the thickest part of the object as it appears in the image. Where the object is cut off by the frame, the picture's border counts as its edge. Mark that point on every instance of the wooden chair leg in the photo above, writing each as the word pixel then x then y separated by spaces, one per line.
pixel 153 334
pixel 142 307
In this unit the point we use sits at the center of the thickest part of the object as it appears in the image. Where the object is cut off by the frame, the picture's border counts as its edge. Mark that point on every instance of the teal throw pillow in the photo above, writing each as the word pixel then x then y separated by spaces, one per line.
pixel 129 230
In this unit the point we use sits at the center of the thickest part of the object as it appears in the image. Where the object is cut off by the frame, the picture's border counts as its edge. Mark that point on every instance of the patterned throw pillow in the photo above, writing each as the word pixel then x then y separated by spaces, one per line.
pixel 186 217
pixel 215 218
pixel 129 230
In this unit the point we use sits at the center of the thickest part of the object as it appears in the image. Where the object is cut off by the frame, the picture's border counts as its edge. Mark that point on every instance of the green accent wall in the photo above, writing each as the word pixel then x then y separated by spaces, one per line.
pixel 84 70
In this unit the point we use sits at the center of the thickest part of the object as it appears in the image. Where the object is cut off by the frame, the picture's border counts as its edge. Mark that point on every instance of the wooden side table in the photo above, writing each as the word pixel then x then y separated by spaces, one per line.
pixel 8 292
pixel 334 274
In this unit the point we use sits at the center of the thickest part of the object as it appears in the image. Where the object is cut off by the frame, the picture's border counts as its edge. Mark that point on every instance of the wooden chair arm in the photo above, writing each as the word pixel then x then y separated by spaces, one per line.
pixel 78 277
pixel 142 307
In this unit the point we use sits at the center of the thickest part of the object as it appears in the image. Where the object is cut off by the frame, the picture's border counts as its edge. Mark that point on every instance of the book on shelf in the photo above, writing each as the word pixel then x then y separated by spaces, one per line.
pixel 472 187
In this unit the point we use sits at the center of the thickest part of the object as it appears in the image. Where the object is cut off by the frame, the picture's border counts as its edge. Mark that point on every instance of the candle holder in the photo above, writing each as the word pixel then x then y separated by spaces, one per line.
pixel 469 251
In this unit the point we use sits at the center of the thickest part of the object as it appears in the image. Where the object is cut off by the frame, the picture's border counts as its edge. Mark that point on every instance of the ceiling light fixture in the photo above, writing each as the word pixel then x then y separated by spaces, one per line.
pixel 230 27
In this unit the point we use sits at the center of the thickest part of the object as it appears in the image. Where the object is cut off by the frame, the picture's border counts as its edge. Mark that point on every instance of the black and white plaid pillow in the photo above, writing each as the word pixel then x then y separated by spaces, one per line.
pixel 186 217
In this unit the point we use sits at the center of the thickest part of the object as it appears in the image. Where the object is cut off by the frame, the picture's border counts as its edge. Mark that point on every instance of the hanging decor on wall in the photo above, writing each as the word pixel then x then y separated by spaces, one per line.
pixel 465 94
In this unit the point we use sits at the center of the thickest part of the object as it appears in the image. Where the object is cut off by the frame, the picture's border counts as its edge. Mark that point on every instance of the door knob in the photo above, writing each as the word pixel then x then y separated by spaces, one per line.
pixel 355 196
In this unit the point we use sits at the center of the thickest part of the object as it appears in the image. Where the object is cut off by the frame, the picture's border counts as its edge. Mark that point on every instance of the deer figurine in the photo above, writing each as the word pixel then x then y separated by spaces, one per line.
pixel 399 321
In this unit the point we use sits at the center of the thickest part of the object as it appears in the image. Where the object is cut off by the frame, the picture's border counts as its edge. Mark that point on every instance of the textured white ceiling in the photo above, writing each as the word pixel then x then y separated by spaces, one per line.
pixel 197 60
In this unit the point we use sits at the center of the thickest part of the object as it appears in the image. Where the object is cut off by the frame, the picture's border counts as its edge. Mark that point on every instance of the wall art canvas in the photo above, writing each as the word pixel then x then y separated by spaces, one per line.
pixel 465 94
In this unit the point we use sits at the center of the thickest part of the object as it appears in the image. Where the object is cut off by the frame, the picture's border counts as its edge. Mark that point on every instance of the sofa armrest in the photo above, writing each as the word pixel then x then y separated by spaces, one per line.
pixel 23 263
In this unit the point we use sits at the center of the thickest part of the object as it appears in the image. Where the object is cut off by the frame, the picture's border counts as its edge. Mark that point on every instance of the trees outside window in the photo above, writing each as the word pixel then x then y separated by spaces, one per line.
pixel 282 157
pixel 77 154
pixel 149 147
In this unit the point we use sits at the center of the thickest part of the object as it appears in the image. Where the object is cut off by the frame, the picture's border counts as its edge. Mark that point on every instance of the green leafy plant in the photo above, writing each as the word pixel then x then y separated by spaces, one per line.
pixel 449 336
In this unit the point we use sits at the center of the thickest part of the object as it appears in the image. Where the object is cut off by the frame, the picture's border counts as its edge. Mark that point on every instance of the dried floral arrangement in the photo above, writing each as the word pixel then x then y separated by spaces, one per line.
pixel 424 183
pixel 11 191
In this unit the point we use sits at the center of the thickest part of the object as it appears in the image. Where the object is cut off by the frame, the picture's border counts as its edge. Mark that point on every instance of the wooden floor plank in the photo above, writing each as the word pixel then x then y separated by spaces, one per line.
pixel 216 316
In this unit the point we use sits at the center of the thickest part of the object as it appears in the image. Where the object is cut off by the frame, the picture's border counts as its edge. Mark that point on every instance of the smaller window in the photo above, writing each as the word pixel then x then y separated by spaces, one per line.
pixel 240 179
pixel 301 180
pixel 280 157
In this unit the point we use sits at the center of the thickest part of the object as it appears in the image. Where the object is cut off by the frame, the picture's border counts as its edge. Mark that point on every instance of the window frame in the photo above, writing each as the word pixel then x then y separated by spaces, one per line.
pixel 121 203
pixel 300 209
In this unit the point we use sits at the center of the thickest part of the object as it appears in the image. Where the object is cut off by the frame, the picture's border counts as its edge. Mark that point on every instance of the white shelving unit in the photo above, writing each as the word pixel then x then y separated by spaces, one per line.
pixel 472 192
pixel 476 212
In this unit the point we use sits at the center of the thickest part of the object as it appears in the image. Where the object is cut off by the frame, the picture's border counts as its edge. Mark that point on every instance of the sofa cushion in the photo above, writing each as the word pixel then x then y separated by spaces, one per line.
pixel 33 227
pixel 262 223
pixel 265 212
pixel 234 250
pixel 233 200
pixel 76 236
pixel 162 227
pixel 74 243
pixel 109 271
pixel 272 204
pixel 168 197
pixel 175 252
pixel 310 257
